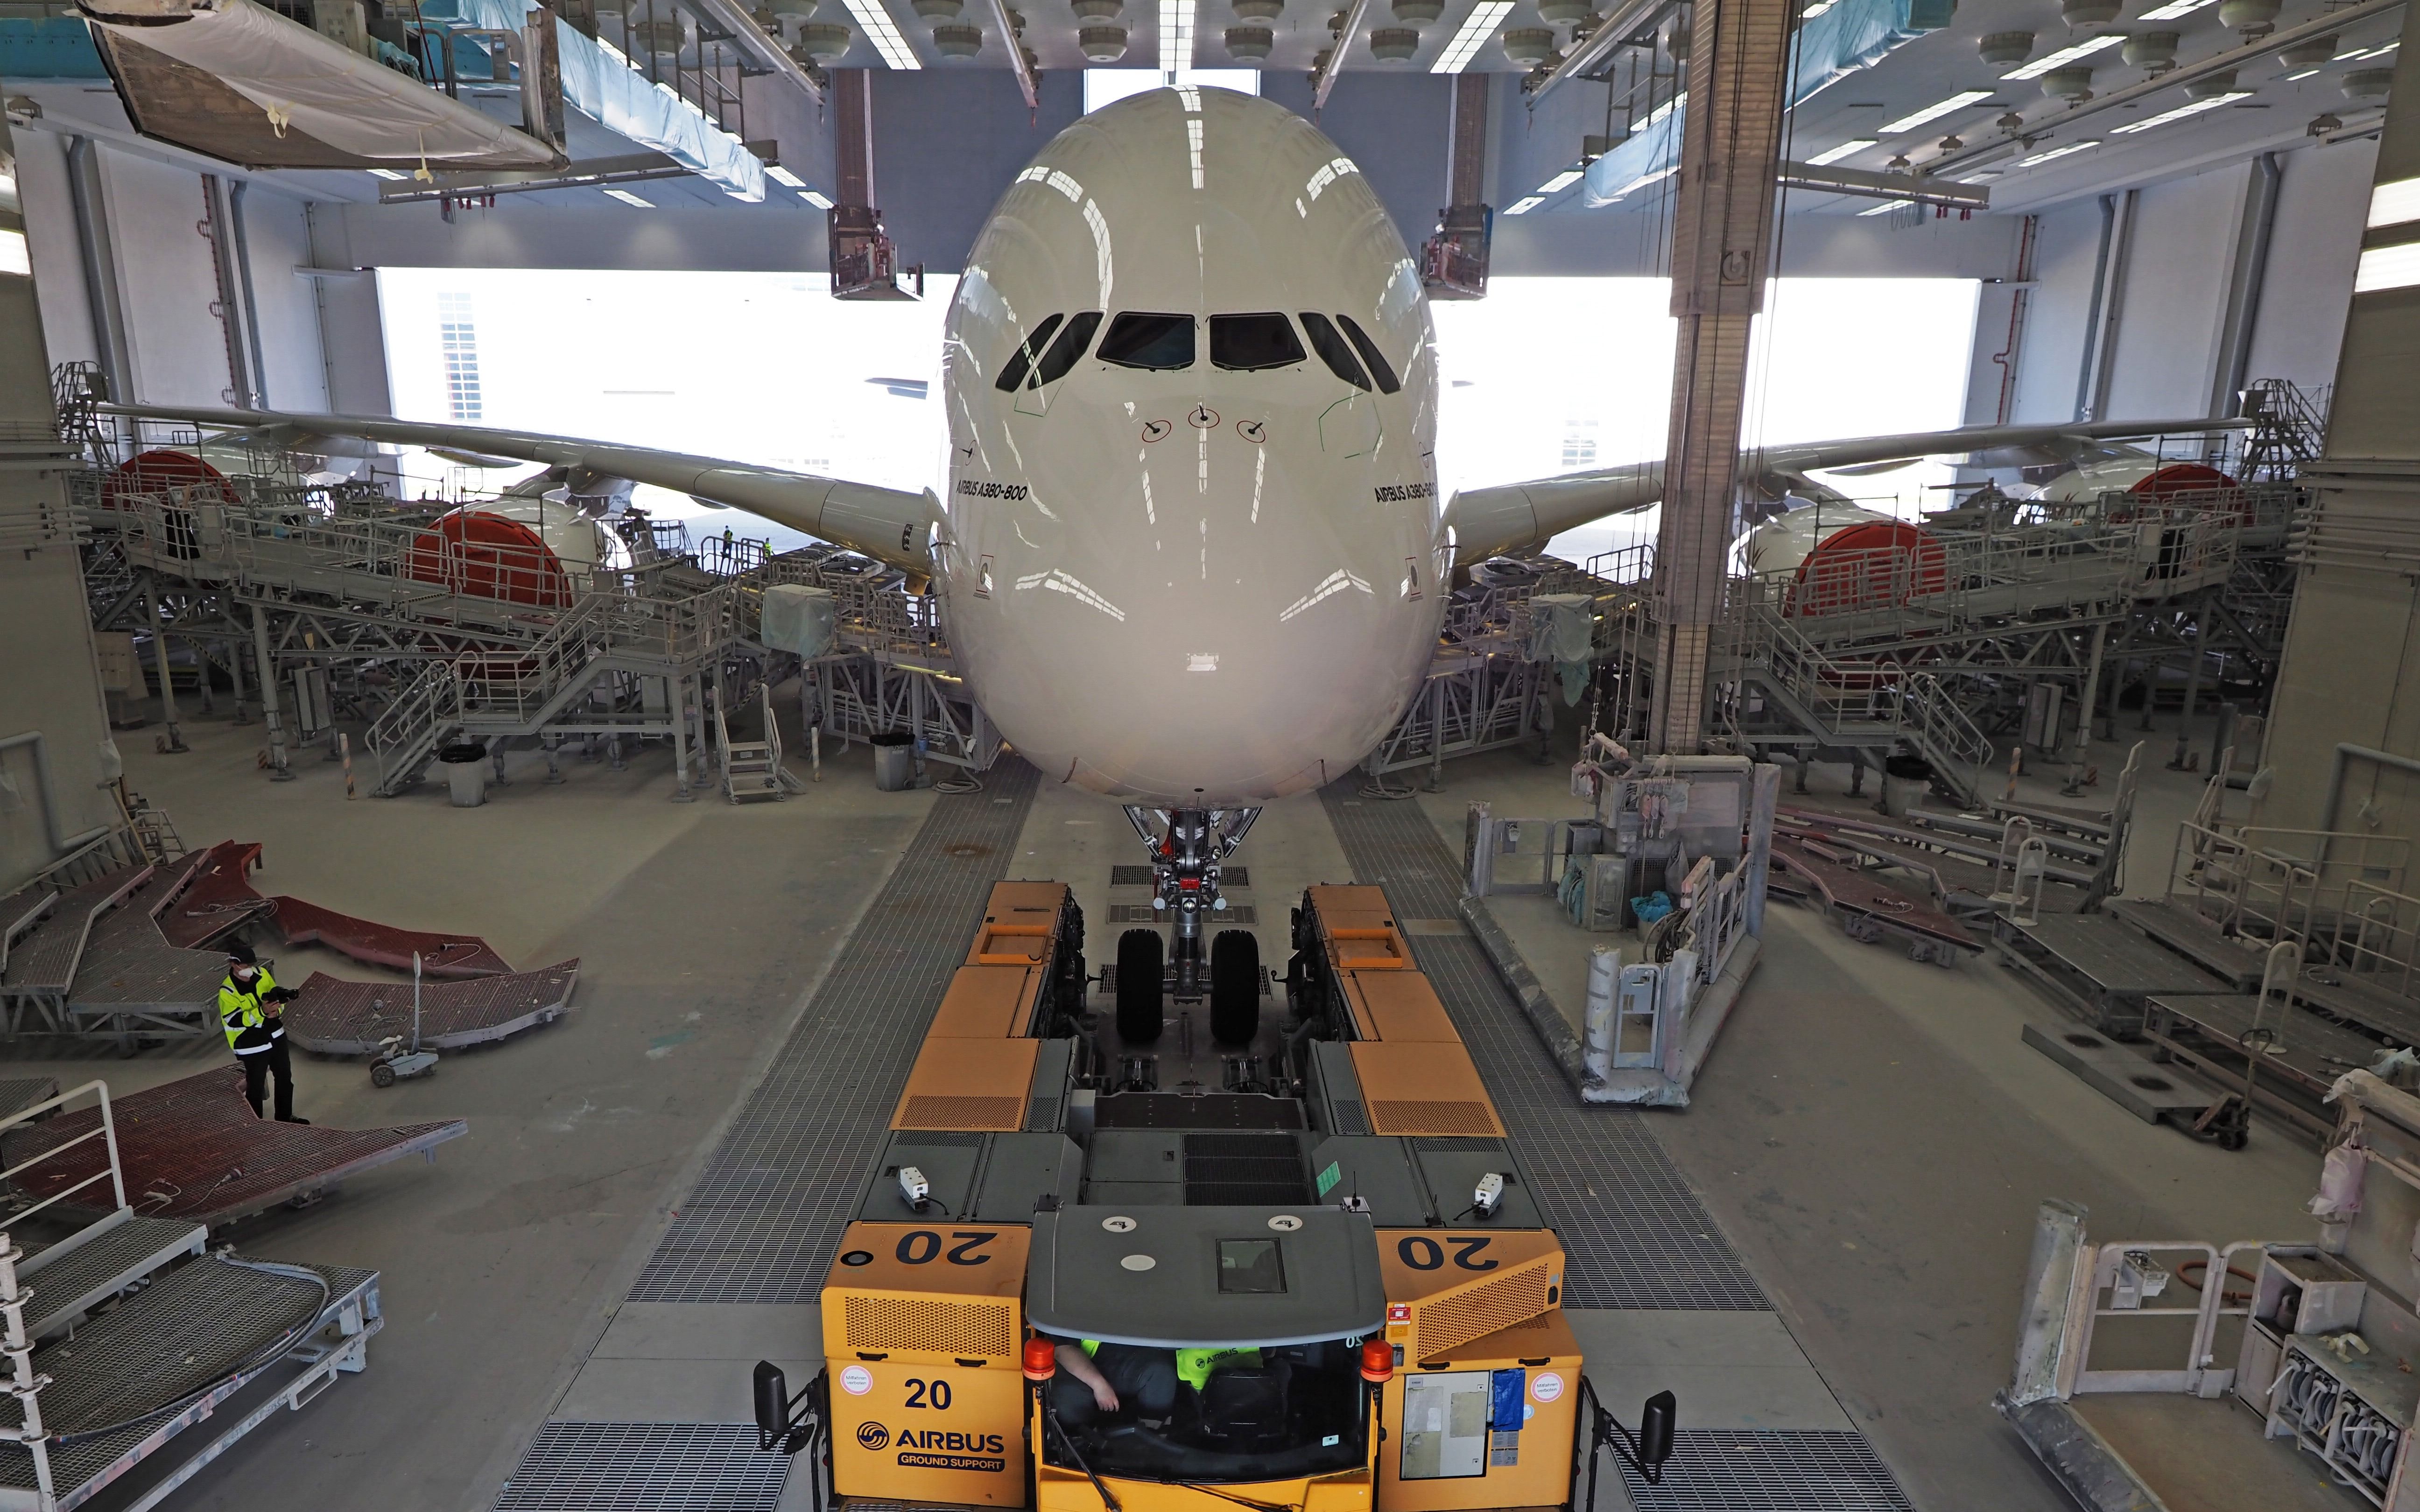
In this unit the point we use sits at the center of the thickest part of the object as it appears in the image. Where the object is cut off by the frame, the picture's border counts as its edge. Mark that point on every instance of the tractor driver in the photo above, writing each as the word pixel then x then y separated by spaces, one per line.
pixel 1101 1378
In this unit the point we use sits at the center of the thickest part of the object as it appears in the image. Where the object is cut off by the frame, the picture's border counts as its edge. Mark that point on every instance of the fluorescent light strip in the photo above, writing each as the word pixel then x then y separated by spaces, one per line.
pixel 2385 267
pixel 2054 154
pixel 2066 55
pixel 784 177
pixel 1644 179
pixel 1176 39
pixel 884 34
pixel 1476 29
pixel 630 199
pixel 2182 112
pixel 1561 181
pixel 1886 207
pixel 389 175
pixel 2395 203
pixel 1933 112
pixel 2173 8
pixel 1816 10
pixel 818 201
pixel 1846 149
pixel 1525 204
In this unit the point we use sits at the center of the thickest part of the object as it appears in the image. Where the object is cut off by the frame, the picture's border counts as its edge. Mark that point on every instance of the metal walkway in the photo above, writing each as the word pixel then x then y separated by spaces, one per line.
pixel 762 1222
pixel 1635 1236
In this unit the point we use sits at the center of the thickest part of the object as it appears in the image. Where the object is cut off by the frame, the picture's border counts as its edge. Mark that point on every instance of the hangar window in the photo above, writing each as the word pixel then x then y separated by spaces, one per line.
pixel 1068 349
pixel 1252 343
pixel 1021 360
pixel 1332 350
pixel 1156 342
pixel 1388 382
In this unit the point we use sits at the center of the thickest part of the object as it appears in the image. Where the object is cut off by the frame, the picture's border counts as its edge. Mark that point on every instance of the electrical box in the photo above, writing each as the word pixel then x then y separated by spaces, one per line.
pixel 114 651
pixel 343 22
pixel 2307 1291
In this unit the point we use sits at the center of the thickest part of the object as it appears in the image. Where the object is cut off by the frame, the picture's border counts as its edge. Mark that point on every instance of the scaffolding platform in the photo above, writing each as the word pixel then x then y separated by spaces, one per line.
pixel 42 960
pixel 2099 969
pixel 18 1093
pixel 129 977
pixel 124 1388
pixel 298 922
pixel 217 899
pixel 192 1149
pixel 2296 1075
pixel 87 1268
pixel 1866 909
pixel 2193 938
pixel 335 1017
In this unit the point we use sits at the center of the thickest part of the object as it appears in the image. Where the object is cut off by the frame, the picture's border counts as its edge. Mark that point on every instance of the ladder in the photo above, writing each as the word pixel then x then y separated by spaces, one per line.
pixel 752 769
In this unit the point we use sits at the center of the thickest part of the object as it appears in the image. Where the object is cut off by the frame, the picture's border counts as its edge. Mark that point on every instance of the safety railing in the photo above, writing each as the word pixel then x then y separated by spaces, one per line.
pixel 16 1341
pixel 2310 887
pixel 2127 1281
pixel 2378 940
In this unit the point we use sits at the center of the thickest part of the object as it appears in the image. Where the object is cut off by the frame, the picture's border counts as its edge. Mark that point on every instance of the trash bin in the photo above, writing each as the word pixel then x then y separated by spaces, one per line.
pixel 894 761
pixel 1904 780
pixel 466 772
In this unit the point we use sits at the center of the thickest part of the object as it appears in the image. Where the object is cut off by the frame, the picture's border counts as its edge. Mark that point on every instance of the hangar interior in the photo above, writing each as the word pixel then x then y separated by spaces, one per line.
pixel 1877 855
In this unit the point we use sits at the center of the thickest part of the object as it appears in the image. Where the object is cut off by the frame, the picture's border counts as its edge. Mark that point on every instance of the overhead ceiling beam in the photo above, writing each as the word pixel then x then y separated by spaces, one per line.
pixel 2322 26
pixel 1016 63
pixel 1327 79
pixel 735 20
pixel 1921 188
pixel 1624 22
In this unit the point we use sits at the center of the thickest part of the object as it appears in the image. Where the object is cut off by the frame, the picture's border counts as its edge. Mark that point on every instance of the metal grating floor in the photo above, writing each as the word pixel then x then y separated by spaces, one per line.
pixel 1635 1235
pixel 1747 1472
pixel 761 1224
pixel 645 1467
pixel 1232 878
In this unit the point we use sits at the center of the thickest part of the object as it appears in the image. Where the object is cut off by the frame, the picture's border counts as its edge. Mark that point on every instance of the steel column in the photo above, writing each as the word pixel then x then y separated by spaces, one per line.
pixel 1722 239
pixel 278 770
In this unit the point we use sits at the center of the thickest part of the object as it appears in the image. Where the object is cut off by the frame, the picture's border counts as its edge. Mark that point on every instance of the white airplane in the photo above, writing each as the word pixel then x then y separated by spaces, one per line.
pixel 1188 535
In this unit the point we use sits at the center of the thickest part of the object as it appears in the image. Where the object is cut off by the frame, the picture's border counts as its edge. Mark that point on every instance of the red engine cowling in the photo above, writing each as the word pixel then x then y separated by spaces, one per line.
pixel 161 470
pixel 488 556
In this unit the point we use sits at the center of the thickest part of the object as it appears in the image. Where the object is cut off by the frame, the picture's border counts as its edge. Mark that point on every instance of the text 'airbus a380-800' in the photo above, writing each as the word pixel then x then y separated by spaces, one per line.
pixel 1189 539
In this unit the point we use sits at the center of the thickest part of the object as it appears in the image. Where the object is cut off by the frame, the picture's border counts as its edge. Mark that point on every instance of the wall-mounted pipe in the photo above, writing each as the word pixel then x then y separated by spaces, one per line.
pixel 243 286
pixel 2243 287
pixel 101 295
pixel 2092 313
pixel 54 824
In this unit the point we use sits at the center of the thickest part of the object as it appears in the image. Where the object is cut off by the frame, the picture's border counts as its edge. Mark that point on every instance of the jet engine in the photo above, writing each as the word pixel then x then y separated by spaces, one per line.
pixel 1841 559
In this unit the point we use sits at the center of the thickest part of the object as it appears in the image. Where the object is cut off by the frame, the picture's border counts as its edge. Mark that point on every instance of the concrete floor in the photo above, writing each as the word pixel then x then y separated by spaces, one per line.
pixel 1871 1132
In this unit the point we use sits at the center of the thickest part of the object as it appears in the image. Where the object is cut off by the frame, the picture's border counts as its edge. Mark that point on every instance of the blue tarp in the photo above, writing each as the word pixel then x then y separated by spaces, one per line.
pixel 599 81
pixel 51 47
pixel 1853 35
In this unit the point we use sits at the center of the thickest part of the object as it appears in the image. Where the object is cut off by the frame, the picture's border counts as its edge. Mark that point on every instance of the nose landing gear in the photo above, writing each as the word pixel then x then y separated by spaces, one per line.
pixel 1187 847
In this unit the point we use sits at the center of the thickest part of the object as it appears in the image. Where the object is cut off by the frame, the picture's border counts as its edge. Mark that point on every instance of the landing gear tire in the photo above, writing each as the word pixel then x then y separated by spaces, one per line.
pixel 1234 986
pixel 1140 964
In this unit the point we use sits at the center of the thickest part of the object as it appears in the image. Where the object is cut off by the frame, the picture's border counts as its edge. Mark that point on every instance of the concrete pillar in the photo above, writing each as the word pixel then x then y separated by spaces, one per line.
pixel 862 261
pixel 1722 238
pixel 1454 262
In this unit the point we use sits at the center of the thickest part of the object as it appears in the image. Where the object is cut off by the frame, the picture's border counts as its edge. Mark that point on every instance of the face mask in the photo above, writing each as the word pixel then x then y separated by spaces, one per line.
pixel 246 973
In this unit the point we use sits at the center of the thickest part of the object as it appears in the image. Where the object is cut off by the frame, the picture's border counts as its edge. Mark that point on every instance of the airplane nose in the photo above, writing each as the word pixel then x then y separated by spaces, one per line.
pixel 1231 630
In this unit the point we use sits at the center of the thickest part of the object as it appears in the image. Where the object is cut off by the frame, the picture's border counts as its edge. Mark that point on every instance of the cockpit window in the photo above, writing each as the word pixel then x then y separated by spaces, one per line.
pixel 1156 342
pixel 1332 350
pixel 1021 360
pixel 1388 382
pixel 1068 349
pixel 1250 342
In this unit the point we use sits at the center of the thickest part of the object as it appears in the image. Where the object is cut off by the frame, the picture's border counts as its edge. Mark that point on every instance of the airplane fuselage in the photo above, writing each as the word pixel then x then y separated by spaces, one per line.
pixel 1190 543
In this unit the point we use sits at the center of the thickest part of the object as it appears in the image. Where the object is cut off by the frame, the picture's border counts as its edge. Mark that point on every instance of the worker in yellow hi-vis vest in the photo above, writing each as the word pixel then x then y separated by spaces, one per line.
pixel 250 1004
pixel 1104 1380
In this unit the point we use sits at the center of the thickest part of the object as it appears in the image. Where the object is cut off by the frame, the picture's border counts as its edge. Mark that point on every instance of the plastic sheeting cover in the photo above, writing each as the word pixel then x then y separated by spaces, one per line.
pixel 800 620
pixel 1562 628
pixel 310 84
pixel 599 81
pixel 1853 35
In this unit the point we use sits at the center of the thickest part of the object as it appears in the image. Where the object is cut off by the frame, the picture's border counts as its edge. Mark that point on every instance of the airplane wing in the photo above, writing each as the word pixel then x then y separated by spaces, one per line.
pixel 1511 516
pixel 888 524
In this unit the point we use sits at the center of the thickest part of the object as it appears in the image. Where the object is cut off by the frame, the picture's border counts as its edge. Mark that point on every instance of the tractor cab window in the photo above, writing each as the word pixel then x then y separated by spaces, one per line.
pixel 1020 361
pixel 1252 343
pixel 1237 1413
pixel 1155 343
pixel 1333 350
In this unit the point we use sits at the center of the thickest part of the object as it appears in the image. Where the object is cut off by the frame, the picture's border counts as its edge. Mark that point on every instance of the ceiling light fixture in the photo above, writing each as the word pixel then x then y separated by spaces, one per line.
pixel 1643 180
pixel 1886 207
pixel 2194 108
pixel 2066 55
pixel 2392 204
pixel 1933 112
pixel 784 177
pixel 2381 268
pixel 2173 10
pixel 1528 202
pixel 2055 154
pixel 1476 29
pixel 630 199
pixel 1816 10
pixel 818 201
pixel 884 34
pixel 1561 181
pixel 1176 39
pixel 389 175
pixel 1846 149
